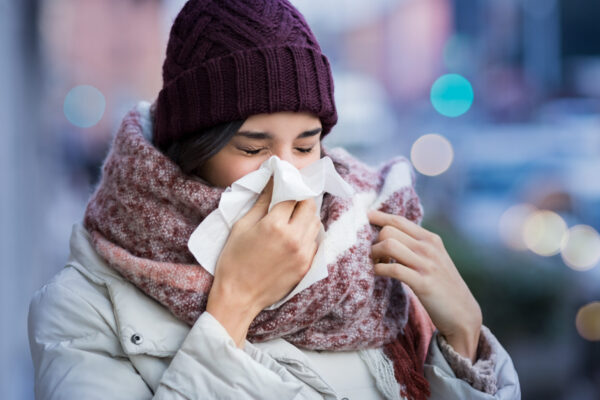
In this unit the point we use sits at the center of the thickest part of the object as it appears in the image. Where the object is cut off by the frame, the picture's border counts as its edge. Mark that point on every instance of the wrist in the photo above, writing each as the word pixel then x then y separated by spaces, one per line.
pixel 465 342
pixel 235 316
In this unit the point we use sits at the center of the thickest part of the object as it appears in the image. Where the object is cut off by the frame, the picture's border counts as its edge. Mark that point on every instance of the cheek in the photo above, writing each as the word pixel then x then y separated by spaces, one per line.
pixel 237 168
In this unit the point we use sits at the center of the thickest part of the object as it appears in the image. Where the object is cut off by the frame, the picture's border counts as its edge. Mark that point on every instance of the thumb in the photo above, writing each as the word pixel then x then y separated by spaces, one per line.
pixel 261 207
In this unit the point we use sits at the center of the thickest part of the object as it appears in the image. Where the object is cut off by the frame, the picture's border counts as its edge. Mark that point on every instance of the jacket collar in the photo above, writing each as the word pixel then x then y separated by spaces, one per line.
pixel 143 325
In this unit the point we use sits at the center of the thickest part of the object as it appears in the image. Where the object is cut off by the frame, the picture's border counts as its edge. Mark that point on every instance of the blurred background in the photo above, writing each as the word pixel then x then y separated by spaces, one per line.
pixel 495 102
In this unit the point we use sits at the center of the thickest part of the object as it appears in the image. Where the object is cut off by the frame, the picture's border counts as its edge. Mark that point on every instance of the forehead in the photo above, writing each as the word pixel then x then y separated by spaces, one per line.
pixel 281 120
pixel 280 125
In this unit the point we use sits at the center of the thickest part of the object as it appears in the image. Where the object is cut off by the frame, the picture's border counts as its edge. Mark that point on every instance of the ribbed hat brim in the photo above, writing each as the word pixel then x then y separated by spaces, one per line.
pixel 244 83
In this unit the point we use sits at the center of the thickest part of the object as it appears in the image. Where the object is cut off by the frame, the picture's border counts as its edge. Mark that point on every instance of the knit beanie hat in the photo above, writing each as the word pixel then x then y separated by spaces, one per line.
pixel 230 59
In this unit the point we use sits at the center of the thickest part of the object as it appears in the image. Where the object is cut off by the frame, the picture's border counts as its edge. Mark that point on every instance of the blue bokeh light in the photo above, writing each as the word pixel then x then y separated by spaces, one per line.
pixel 452 95
pixel 84 106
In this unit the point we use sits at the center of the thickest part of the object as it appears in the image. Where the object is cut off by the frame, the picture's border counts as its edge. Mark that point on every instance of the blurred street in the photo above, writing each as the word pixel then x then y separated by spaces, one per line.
pixel 495 102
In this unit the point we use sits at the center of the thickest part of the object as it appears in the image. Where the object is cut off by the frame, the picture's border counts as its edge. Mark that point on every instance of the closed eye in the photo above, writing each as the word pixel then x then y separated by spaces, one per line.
pixel 249 150
pixel 253 151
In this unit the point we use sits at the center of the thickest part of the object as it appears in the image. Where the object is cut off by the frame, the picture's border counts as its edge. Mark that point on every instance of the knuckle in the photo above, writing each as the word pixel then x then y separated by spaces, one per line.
pixel 397 220
pixel 240 224
pixel 435 238
pixel 312 206
pixel 429 266
pixel 396 271
pixel 386 232
pixel 275 227
pixel 387 245
pixel 426 249
pixel 292 246
pixel 421 247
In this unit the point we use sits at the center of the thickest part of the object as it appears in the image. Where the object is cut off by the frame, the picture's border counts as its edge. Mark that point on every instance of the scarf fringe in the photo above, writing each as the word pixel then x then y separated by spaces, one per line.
pixel 408 352
pixel 382 368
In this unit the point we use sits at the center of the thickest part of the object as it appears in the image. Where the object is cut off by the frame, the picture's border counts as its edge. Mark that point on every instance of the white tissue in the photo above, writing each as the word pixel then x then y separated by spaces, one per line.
pixel 289 183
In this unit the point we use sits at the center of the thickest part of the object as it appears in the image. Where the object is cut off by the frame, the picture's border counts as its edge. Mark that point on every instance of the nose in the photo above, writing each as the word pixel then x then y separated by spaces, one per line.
pixel 287 155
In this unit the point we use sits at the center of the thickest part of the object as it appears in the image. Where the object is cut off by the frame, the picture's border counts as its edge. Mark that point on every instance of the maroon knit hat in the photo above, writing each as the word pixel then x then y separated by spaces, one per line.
pixel 230 59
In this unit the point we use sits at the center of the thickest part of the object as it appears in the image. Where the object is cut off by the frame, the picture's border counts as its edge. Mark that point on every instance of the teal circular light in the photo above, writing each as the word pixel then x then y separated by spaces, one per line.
pixel 452 95
pixel 84 106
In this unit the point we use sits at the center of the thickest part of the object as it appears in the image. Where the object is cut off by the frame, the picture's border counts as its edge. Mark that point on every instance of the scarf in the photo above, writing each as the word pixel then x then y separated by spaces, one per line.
pixel 145 208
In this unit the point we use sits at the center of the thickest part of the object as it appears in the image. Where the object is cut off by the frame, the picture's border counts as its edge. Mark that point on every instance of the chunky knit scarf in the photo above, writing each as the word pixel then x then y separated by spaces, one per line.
pixel 145 208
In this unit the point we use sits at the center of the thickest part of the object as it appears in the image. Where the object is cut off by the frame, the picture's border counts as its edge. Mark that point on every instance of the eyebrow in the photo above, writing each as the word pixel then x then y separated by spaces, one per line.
pixel 266 135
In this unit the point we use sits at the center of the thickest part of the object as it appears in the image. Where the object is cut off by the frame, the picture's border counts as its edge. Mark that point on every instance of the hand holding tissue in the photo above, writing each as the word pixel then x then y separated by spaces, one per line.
pixel 289 183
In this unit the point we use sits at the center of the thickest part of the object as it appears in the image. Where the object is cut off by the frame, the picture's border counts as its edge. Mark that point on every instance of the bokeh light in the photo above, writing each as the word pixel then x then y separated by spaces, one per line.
pixel 84 106
pixel 587 321
pixel 511 225
pixel 543 232
pixel 581 247
pixel 431 154
pixel 452 95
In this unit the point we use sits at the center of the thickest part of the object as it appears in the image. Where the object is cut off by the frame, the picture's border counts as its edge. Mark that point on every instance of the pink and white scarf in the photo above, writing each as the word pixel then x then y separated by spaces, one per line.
pixel 145 208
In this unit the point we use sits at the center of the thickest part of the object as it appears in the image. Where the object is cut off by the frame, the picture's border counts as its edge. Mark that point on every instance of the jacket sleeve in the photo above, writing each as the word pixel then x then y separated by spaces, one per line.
pixel 76 354
pixel 451 376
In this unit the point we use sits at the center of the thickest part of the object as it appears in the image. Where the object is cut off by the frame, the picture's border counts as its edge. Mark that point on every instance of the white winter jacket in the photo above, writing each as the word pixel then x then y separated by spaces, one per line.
pixel 94 335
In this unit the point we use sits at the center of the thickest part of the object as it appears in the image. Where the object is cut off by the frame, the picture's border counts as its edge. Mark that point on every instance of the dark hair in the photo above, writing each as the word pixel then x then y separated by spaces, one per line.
pixel 192 152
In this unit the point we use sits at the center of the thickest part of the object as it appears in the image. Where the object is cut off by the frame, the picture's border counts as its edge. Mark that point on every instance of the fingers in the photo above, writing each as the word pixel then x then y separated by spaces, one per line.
pixel 404 224
pixel 400 272
pixel 311 228
pixel 390 232
pixel 282 211
pixel 304 210
pixel 306 221
pixel 294 212
pixel 290 211
pixel 314 247
pixel 397 250
pixel 261 207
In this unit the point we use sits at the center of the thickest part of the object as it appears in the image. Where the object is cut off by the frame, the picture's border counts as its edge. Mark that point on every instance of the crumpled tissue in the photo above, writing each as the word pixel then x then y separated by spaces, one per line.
pixel 289 183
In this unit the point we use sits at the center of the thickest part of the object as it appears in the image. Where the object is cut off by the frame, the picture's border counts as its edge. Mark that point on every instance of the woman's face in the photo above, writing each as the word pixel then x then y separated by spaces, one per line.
pixel 293 137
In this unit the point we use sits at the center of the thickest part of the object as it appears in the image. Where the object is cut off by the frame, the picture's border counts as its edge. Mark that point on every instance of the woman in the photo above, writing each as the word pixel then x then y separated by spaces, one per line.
pixel 134 316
